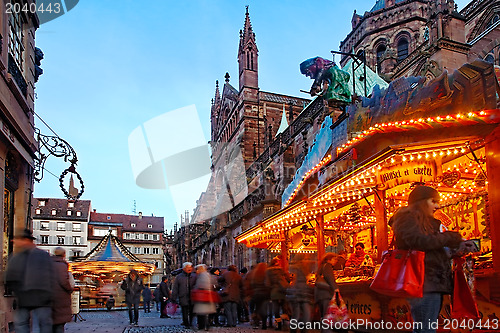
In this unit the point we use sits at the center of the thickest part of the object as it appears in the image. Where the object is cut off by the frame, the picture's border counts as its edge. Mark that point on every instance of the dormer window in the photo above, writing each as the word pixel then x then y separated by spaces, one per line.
pixel 41 203
pixel 108 218
pixel 68 213
pixel 54 212
pixel 78 213
pixel 150 226
pixel 38 211
pixel 132 225
pixel 71 204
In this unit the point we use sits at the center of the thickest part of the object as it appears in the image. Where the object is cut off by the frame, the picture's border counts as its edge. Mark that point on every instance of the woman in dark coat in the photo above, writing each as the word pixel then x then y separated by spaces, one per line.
pixel 416 228
pixel 133 287
pixel 325 282
pixel 278 282
pixel 260 293
pixel 61 307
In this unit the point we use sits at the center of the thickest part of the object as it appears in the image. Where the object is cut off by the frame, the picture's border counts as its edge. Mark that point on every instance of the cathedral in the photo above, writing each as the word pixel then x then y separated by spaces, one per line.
pixel 259 139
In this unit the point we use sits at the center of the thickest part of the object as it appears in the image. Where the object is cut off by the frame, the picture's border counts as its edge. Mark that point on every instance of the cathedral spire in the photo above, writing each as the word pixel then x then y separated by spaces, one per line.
pixel 217 92
pixel 248 56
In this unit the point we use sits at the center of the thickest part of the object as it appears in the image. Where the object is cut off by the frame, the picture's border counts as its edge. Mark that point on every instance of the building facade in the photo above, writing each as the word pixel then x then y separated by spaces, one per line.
pixel 141 235
pixel 59 222
pixel 19 70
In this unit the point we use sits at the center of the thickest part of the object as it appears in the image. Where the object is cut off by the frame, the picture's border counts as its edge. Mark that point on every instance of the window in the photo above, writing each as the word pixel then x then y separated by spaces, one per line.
pixel 60 240
pixel 71 204
pixel 38 211
pixel 137 250
pixel 68 213
pixel 146 250
pixel 16 36
pixel 137 236
pixel 77 227
pixel 490 58
pixel 54 212
pixel 155 237
pixel 61 226
pixel 380 53
pixel 103 232
pixel 77 240
pixel 146 236
pixel 78 213
pixel 402 49
pixel 77 253
pixel 150 226
pixel 41 203
pixel 156 250
pixel 44 225
pixel 132 225
pixel 44 239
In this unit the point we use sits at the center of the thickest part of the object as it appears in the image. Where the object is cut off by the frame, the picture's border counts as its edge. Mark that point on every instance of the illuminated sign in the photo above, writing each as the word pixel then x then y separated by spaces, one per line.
pixel 263 239
pixel 409 172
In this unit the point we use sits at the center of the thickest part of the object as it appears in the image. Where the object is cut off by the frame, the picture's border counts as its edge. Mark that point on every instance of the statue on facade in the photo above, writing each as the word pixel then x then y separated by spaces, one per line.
pixel 330 82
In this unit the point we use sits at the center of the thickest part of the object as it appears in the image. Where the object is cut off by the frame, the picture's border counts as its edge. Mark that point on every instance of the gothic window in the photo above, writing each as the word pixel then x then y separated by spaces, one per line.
pixel 490 58
pixel 248 59
pixel 493 20
pixel 402 49
pixel 380 53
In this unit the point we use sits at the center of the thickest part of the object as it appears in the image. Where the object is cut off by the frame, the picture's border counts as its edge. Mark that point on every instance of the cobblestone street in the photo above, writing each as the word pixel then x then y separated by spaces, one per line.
pixel 117 322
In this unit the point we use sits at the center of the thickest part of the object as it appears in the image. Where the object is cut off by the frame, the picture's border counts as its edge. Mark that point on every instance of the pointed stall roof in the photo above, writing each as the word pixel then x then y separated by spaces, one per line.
pixel 110 256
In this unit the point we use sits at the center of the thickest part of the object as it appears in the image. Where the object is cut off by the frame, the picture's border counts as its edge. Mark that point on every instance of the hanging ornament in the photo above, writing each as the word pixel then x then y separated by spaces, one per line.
pixel 451 178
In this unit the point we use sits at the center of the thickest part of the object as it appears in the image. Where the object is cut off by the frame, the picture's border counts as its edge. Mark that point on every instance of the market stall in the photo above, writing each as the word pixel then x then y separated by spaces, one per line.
pixel 443 136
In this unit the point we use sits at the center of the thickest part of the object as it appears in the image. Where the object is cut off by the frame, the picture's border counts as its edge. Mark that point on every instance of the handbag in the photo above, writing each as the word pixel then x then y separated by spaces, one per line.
pixel 401 274
pixel 463 304
pixel 170 309
pixel 204 296
pixel 337 310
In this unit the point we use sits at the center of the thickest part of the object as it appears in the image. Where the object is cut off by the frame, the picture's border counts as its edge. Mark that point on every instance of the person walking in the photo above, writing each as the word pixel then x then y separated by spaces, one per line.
pixel 416 228
pixel 203 309
pixel 30 276
pixel 61 306
pixel 278 281
pixel 133 287
pixel 231 294
pixel 300 293
pixel 181 292
pixel 326 286
pixel 260 294
pixel 146 299
pixel 163 296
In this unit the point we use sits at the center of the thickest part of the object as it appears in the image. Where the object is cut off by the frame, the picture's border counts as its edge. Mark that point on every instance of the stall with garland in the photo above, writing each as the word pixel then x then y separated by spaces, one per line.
pixel 443 134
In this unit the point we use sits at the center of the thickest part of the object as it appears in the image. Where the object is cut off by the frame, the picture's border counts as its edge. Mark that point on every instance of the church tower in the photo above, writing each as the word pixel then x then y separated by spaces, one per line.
pixel 248 60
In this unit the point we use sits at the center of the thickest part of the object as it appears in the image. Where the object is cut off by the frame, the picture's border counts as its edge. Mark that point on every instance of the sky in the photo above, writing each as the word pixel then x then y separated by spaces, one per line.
pixel 112 68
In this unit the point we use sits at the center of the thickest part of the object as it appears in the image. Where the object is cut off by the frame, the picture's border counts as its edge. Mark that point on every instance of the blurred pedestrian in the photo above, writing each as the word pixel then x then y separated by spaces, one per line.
pixel 416 228
pixel 61 306
pixel 163 296
pixel 156 296
pixel 278 281
pixel 181 292
pixel 243 313
pixel 326 286
pixel 146 299
pixel 260 294
pixel 203 309
pixel 110 302
pixel 133 287
pixel 30 277
pixel 214 279
pixel 301 293
pixel 231 294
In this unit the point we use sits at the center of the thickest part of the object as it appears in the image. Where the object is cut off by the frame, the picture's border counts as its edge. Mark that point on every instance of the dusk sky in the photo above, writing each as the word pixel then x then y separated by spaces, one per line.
pixel 111 66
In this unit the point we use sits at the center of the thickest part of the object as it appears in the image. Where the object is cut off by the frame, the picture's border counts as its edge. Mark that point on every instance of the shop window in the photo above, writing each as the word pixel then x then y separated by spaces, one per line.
pixel 402 49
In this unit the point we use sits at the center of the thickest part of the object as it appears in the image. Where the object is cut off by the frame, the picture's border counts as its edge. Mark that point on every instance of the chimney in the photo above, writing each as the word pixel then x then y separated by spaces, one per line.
pixel 140 215
pixel 95 210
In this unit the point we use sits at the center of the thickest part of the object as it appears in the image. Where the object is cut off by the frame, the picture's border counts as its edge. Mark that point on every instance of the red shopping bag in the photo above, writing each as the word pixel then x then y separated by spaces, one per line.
pixel 337 310
pixel 463 304
pixel 401 274
pixel 170 309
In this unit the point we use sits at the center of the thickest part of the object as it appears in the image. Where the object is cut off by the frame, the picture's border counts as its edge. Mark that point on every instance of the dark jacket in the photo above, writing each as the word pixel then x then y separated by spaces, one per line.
pixel 156 294
pixel 300 291
pixel 133 290
pixel 232 286
pixel 277 281
pixel 325 283
pixel 409 235
pixel 146 294
pixel 61 308
pixel 30 276
pixel 181 290
pixel 163 291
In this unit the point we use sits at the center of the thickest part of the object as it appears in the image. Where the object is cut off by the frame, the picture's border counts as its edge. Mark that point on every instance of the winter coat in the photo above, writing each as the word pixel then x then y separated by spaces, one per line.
pixel 277 281
pixel 163 291
pixel 30 276
pixel 409 235
pixel 321 291
pixel 156 294
pixel 299 290
pixel 61 307
pixel 203 281
pixel 133 290
pixel 146 294
pixel 181 290
pixel 232 286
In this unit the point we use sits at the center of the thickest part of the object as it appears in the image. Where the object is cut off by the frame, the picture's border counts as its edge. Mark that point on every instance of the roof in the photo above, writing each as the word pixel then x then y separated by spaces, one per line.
pixel 372 79
pixel 141 222
pixel 380 4
pixel 62 206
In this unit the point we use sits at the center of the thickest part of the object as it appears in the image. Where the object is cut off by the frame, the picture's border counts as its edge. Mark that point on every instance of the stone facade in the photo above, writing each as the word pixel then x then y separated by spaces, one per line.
pixel 19 71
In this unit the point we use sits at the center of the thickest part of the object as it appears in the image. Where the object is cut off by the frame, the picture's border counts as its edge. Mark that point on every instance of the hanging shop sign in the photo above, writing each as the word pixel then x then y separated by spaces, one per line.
pixel 408 172
pixel 261 239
